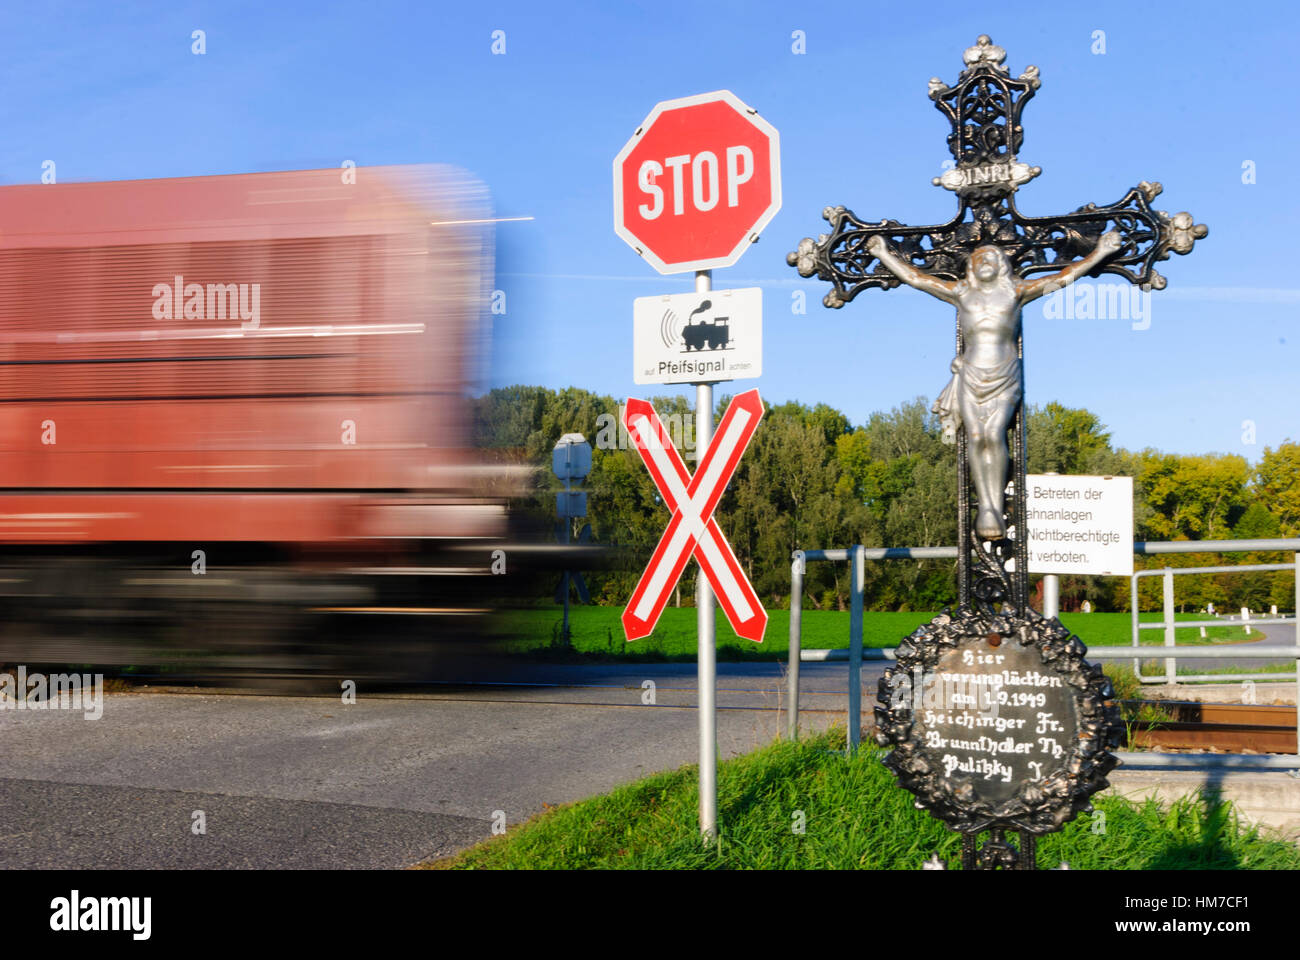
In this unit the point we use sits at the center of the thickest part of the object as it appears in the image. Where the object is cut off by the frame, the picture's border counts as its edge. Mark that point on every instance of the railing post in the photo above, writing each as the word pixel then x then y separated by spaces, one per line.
pixel 1137 664
pixel 796 626
pixel 856 578
pixel 1171 675
pixel 1051 587
pixel 1296 772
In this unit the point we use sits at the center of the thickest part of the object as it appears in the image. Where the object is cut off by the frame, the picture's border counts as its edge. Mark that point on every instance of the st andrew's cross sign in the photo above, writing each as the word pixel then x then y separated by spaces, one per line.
pixel 693 531
pixel 693 187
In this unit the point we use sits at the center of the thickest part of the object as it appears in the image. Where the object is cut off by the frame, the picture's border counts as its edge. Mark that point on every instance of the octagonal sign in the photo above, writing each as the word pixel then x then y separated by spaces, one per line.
pixel 697 182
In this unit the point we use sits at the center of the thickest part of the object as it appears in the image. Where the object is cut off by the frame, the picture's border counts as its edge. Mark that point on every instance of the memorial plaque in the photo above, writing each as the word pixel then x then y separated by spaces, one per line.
pixel 997 721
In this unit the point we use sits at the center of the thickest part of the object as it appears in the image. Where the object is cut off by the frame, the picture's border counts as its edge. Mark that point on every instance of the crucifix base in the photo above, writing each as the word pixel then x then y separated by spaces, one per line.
pixel 998 852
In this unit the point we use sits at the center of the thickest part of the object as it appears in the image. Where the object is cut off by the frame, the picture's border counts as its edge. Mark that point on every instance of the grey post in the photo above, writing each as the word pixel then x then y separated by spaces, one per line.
pixel 1137 629
pixel 568 528
pixel 1051 595
pixel 707 651
pixel 1170 672
pixel 856 578
pixel 796 625
pixel 1051 586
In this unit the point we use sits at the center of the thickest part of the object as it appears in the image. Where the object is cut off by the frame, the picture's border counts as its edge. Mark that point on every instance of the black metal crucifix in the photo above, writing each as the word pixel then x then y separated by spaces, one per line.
pixel 989 260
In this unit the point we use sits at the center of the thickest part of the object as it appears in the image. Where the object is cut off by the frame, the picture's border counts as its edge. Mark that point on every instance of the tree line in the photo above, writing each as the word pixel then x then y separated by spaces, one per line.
pixel 812 480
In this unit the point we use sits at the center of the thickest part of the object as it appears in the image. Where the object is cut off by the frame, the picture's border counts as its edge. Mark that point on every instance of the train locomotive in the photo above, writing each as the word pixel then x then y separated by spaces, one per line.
pixel 234 426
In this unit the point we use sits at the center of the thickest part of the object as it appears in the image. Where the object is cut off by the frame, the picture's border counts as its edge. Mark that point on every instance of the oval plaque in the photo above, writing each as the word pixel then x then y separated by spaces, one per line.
pixel 997 721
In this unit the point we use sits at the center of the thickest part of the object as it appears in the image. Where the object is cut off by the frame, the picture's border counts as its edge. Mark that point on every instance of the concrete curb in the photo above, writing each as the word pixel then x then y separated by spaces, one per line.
pixel 1266 797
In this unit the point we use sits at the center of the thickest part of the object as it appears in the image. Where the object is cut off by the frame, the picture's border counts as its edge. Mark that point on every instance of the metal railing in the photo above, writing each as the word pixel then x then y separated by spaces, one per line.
pixel 798 566
pixel 857 555
pixel 1169 624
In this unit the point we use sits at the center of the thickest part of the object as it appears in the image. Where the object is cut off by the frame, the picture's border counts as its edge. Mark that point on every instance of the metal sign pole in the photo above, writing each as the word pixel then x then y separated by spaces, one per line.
pixel 1051 586
pixel 1051 595
pixel 707 648
pixel 568 526
pixel 856 582
pixel 796 626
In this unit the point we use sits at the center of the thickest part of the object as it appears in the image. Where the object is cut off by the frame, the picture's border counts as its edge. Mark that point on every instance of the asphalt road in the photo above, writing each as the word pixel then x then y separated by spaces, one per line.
pixel 1275 634
pixel 394 779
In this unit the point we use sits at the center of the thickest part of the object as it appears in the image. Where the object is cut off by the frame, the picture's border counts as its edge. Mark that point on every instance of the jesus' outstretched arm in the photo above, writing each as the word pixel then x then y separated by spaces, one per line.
pixel 1032 290
pixel 909 274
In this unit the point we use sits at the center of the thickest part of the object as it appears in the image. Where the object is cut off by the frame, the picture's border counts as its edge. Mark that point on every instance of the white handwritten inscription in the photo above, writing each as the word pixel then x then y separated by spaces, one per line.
pixel 996 715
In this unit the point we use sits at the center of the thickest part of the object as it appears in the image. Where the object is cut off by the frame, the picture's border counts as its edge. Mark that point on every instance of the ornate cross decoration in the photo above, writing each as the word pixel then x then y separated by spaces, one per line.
pixel 989 260
pixel 984 110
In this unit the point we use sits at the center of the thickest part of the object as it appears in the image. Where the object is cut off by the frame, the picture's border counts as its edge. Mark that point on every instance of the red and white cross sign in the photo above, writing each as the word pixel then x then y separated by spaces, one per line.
pixel 692 529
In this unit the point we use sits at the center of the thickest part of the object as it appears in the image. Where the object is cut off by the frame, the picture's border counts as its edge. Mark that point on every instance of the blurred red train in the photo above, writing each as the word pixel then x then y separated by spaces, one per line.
pixel 234 416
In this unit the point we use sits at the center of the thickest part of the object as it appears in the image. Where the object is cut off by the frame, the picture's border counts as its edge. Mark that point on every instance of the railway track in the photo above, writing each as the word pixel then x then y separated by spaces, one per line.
pixel 1230 727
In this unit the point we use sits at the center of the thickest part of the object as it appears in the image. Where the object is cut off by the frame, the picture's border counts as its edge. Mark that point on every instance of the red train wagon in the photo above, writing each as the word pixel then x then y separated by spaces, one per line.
pixel 264 376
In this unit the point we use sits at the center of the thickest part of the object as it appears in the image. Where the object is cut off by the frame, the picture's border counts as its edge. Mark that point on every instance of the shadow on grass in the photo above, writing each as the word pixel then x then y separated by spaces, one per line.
pixel 1210 822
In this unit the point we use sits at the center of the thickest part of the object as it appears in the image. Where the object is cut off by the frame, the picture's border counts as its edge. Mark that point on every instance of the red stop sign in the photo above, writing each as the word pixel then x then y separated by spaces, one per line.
pixel 697 182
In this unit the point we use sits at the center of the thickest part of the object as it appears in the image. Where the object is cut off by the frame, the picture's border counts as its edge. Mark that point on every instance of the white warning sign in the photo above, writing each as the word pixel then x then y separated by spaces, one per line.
pixel 698 337
pixel 1080 524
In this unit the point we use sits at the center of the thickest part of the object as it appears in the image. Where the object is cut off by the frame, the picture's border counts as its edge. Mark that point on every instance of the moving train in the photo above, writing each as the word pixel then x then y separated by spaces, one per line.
pixel 234 425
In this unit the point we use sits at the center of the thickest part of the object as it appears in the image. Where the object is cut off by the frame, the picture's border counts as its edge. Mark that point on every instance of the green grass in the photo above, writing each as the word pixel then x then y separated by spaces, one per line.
pixel 1266 668
pixel 597 632
pixel 855 817
pixel 1156 668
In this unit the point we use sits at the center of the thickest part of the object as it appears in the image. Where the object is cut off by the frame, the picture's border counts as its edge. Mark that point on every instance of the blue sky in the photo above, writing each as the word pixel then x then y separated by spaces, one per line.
pixel 1184 93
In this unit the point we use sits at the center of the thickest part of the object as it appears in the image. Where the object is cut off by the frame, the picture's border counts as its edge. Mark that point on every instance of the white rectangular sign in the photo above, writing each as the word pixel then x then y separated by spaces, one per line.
pixel 1080 525
pixel 698 337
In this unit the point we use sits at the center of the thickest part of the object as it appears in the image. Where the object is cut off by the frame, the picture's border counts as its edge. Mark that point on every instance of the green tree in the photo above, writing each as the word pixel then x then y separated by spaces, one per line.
pixel 786 496
pixel 1277 484
pixel 1192 497
pixel 1065 440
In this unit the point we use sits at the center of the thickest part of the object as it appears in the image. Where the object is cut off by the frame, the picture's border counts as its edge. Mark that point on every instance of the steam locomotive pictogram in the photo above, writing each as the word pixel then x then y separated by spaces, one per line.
pixel 713 334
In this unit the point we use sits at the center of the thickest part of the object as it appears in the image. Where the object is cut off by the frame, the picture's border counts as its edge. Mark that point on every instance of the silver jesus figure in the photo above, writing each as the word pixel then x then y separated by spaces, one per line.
pixel 987 381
